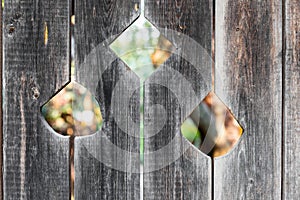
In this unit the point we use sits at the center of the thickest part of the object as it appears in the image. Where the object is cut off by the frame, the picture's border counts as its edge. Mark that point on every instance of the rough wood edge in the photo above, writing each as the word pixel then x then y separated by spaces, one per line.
pixel 1 102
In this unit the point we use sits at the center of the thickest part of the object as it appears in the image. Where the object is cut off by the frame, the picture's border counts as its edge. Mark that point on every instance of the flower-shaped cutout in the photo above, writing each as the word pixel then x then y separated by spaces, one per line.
pixel 73 111
pixel 212 128
pixel 142 47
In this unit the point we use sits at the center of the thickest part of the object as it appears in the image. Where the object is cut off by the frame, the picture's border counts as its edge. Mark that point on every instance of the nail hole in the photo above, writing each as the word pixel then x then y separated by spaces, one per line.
pixel 251 181
pixel 11 29
pixel 36 93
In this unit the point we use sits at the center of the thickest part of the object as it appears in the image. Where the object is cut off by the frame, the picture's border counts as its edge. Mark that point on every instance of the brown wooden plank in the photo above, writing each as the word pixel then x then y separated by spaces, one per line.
pixel 174 169
pixel 248 80
pixel 291 165
pixel 36 65
pixel 107 164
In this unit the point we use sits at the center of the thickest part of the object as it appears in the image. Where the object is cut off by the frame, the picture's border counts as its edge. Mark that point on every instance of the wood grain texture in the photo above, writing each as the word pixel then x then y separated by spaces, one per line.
pixel 248 80
pixel 190 17
pixel 291 164
pixel 174 169
pixel 36 161
pixel 104 165
pixel 1 113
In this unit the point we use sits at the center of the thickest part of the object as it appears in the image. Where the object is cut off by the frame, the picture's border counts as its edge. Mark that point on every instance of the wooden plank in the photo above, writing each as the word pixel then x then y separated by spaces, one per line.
pixel 248 80
pixel 173 168
pixel 190 17
pixel 291 165
pixel 36 65
pixel 1 113
pixel 107 163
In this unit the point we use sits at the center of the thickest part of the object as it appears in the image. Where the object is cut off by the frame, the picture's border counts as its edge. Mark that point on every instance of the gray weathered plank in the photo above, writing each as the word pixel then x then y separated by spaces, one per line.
pixel 248 79
pixel 35 67
pixel 291 165
pixel 190 17
pixel 107 163
pixel 173 168
pixel 1 113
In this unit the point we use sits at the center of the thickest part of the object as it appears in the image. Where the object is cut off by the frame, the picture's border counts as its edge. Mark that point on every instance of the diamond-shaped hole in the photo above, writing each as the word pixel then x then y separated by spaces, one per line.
pixel 212 128
pixel 142 47
pixel 73 111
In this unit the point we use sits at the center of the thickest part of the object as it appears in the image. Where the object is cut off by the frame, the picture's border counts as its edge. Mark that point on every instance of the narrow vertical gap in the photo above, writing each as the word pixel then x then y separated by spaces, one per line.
pixel 72 48
pixel 71 165
pixel 142 122
pixel 212 179
pixel 142 94
pixel 72 138
pixel 1 112
pixel 283 97
pixel 142 8
pixel 213 42
pixel 213 87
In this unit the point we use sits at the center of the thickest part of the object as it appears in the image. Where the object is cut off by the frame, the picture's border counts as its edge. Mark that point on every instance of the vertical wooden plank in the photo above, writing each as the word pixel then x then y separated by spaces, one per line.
pixel 1 112
pixel 190 17
pixel 249 81
pixel 107 163
pixel 291 165
pixel 36 65
pixel 174 169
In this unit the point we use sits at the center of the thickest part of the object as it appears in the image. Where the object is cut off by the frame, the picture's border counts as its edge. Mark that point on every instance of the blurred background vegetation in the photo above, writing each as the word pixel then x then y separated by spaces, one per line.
pixel 75 111
pixel 142 48
pixel 212 128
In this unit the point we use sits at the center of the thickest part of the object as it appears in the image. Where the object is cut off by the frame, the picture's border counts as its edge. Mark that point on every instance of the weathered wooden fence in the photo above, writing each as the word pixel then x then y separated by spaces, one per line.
pixel 256 46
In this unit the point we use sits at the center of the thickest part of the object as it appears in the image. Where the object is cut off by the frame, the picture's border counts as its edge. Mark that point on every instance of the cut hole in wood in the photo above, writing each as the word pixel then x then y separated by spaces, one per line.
pixel 73 111
pixel 142 47
pixel 212 128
